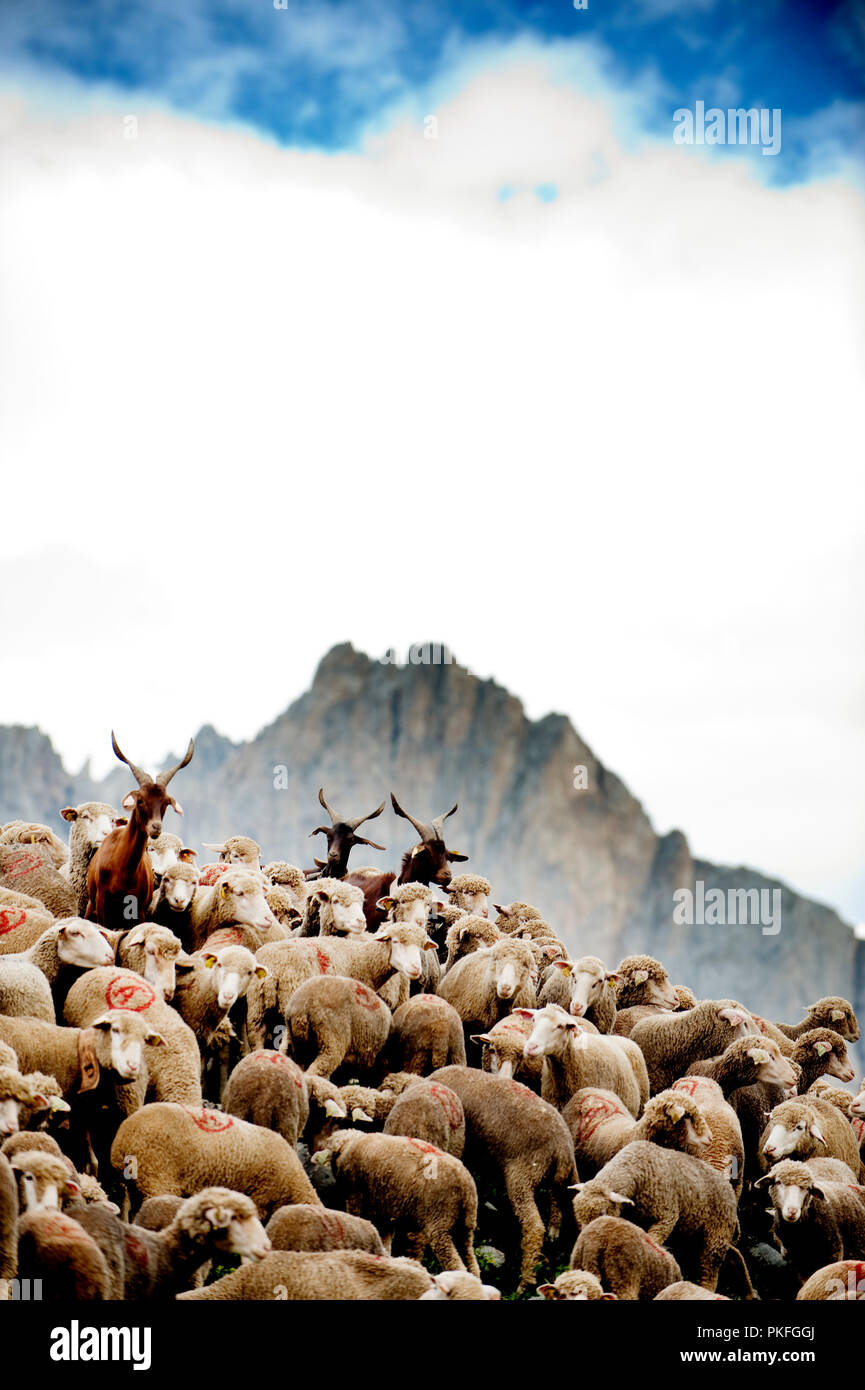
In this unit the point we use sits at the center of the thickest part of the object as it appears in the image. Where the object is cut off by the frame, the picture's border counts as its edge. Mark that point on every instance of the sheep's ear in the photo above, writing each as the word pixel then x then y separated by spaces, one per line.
pixel 817 1192
pixel 732 1016
pixel 836 1015
pixel 500 910
pixel 525 1013
pixel 676 1112
pixel 103 1022
pixel 385 904
pixel 383 934
pixel 563 965
pixel 547 1290
pixel 617 1197
pixel 224 890
pixel 613 1296
pixel 430 945
pixel 69 813
pixel 821 1048
pixel 219 1217
pixel 480 1037
pixel 59 1104
pixel 155 1039
pixel 612 979
pixel 262 972
pixel 360 1116
pixel 758 1055
pixel 818 1134
pixel 128 802
pixel 136 939
pixel 578 1186
pixel 764 1181
pixel 72 1188
pixel 210 960
pixel 640 977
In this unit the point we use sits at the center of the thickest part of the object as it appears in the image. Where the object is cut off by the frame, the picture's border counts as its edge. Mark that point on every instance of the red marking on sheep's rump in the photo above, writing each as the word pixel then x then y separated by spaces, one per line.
pixel 858 1128
pixel 136 1249
pixel 323 960
pixel 224 936
pixel 660 1250
pixel 332 1225
pixel 24 864
pixel 209 1121
pixel 54 1223
pixel 423 1147
pixel 688 1084
pixel 449 1104
pixel 598 1110
pixel 278 1059
pixel 365 997
pixel 133 995
pixel 211 873
pixel 6 914
pixel 519 1089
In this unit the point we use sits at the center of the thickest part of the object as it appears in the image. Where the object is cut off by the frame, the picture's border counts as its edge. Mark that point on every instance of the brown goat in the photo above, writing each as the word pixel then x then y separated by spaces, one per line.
pixel 120 877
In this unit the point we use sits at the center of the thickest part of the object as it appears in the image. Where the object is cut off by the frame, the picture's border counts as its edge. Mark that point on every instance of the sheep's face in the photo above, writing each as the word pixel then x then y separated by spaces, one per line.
pixel 42 1181
pixel 837 1015
pixel 233 969
pixel 660 993
pixel 512 973
pixel 772 1067
pixel 93 821
pixel 178 887
pixel 588 980
pixel 478 904
pixel 160 950
pixel 839 1063
pixel 242 900
pixel 347 917
pixel 738 1020
pixel 239 1233
pixel 163 859
pixel 552 1032
pixel 802 1135
pixel 456 1285
pixel 126 1035
pixel 405 948
pixel 10 1109
pixel 81 943
pixel 791 1201
pixel 415 912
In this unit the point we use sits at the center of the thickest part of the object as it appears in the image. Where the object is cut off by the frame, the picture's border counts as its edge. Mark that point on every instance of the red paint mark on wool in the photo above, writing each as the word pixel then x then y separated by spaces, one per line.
pixel 858 1128
pixel 137 1250
pixel 333 1226
pixel 449 1104
pixel 10 918
pixel 209 1121
pixel 365 997
pixel 24 864
pixel 56 1224
pixel 278 1059
pixel 596 1112
pixel 688 1084
pixel 211 873
pixel 323 960
pixel 133 995
pixel 422 1147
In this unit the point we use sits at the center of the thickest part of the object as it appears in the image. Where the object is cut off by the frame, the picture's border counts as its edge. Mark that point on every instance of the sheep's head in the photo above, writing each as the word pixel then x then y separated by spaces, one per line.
pixel 515 915
pixel 329 1155
pixel 405 942
pixel 837 1014
pixel 770 1066
pixel 223 1220
pixel 643 980
pixel 588 978
pixel 238 849
pixel 553 1031
pixel 792 1186
pixel 16 1092
pixel 795 1127
pixel 857 1106
pixel 457 1285
pixel 233 970
pixel 164 852
pixel 93 820
pixel 827 1048
pixel 31 833
pixel 410 902
pixel 575 1285
pixel 594 1199
pixel 675 1120
pixel 241 899
pixel 179 883
pixel 43 1180
pixel 121 1039
pixel 81 943
pixel 471 892
pixel 154 953
pixel 340 906
pixel 513 967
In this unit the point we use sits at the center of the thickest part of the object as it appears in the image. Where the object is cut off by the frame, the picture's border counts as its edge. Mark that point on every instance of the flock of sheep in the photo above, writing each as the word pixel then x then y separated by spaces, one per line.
pixel 274 1070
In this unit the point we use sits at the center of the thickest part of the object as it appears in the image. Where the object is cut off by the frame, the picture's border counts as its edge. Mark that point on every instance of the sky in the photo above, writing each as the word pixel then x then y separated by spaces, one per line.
pixel 396 322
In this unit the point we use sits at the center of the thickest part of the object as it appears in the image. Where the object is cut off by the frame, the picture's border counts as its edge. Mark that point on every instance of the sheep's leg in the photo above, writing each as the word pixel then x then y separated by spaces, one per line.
pixel 660 1230
pixel 522 1199
pixel 469 1257
pixel 442 1245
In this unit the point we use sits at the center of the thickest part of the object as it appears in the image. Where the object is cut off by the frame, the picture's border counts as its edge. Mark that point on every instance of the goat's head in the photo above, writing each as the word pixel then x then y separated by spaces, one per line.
pixel 148 804
pixel 341 838
pixel 427 862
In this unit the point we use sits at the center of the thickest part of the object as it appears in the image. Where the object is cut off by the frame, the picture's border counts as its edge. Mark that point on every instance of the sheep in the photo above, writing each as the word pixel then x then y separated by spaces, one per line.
pixel 21 928
pixel 24 990
pixel 676 1197
pixel 168 1148
pixel 427 1033
pixel 818 1220
pixel 643 981
pixel 19 832
pixel 302 1227
pixel 470 892
pixel 844 1279
pixel 238 898
pixel 575 1285
pixel 336 1019
pixel 457 1286
pixel 821 1089
pixel 333 908
pixel 59 955
pixel 44 1179
pixel 832 1012
pixel 307 1274
pixel 489 983
pixel 8 1226
pixel 409 902
pixel 171 904
pixel 807 1127
pixel 158 1264
pixel 238 849
pixel 209 985
pixel 821 1052
pixel 364 1105
pixel 504 1051
pixel 685 1291
pixel 411 1191
pixel 113 1043
pixel 269 1089
pixel 574 1058
pixel 671 1042
pixel 514 917
pixel 516 1136
pixel 165 851
pixel 370 959
pixel 467 934
pixel 44 1103
pixel 89 824
pixel 746 1062
pixel 624 1259
pixel 431 1112
pixel 726 1149
pixel 174 1072
pixel 153 953
pixel 156 1213
pixel 584 987
pixel 15 1093
pixel 55 1248
pixel 601 1125
pixel 25 1141
pixel 31 869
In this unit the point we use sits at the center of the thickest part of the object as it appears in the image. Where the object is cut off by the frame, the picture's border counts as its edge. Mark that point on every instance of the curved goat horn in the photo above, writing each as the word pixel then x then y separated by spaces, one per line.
pixel 141 776
pixel 426 832
pixel 165 777
pixel 353 824
pixel 438 821
pixel 330 811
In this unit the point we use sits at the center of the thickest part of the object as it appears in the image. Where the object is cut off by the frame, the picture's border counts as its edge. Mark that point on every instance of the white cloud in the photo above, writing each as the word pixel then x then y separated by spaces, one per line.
pixel 603 447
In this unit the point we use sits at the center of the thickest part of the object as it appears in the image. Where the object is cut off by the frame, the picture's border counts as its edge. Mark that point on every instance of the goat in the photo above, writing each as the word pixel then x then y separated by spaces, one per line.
pixel 120 876
pixel 341 838
pixel 425 862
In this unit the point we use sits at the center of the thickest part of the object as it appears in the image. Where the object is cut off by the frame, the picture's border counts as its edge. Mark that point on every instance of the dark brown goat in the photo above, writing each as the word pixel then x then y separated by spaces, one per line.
pixel 341 838
pixel 120 877
pixel 426 862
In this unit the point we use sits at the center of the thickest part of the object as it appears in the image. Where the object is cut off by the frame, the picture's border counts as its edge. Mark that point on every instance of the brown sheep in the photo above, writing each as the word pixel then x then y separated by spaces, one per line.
pixel 333 1020
pixel 54 1248
pixel 504 1051
pixel 427 1034
pixel 624 1259
pixel 601 1126
pixel 303 1227
pixel 432 1112
pixel 267 1088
